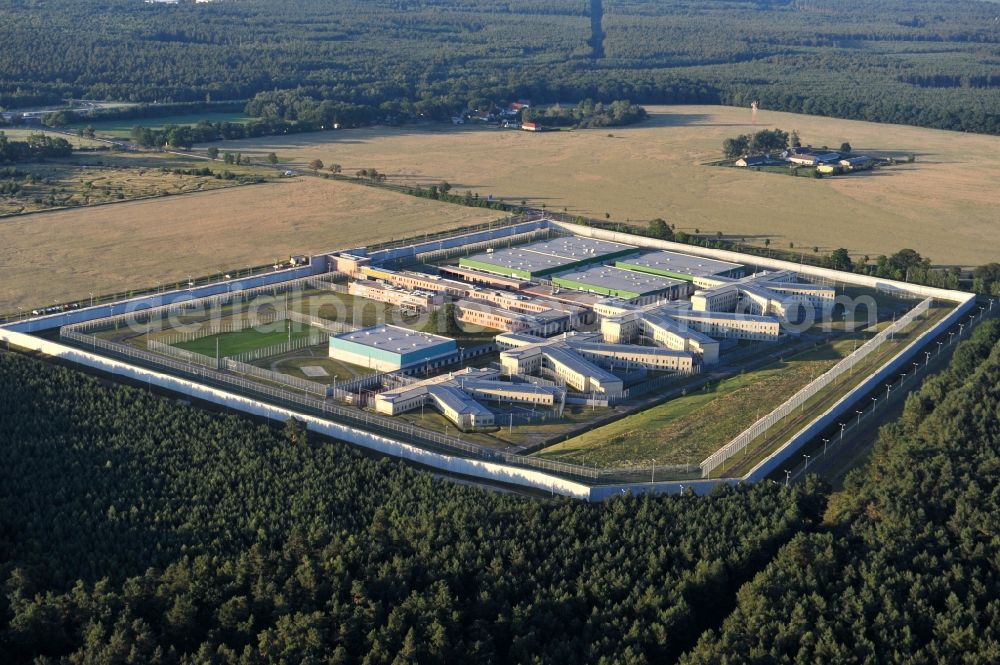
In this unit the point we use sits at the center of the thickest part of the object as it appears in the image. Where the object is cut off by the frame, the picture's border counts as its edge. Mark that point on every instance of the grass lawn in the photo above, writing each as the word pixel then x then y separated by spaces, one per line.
pixel 123 128
pixel 231 344
pixel 687 429
pixel 337 371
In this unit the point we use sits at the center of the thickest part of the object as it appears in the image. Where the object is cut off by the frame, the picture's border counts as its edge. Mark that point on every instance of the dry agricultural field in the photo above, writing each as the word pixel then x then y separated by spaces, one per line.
pixel 66 254
pixel 65 183
pixel 945 205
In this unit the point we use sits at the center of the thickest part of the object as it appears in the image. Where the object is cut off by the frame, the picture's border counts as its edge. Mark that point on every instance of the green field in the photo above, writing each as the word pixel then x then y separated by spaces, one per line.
pixel 122 128
pixel 337 370
pixel 686 429
pixel 231 344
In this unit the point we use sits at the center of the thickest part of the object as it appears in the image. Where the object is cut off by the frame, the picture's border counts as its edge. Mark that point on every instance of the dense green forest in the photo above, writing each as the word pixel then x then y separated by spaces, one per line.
pixel 925 62
pixel 134 529
pixel 908 571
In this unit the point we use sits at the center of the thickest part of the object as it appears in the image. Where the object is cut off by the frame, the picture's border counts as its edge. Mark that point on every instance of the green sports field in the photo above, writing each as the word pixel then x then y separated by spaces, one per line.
pixel 123 128
pixel 231 344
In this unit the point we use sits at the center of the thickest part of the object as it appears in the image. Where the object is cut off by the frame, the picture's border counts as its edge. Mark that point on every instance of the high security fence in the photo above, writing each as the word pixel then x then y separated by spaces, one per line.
pixel 813 387
pixel 181 354
pixel 234 325
pixel 436 255
pixel 312 339
pixel 335 327
pixel 146 315
pixel 305 385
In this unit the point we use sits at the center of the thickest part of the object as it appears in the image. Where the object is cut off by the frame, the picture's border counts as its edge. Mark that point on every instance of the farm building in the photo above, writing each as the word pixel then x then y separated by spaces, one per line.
pixel 754 160
pixel 858 163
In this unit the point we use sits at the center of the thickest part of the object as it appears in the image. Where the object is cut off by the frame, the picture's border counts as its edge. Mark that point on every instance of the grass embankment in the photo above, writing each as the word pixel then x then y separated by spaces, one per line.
pixel 779 433
pixel 688 428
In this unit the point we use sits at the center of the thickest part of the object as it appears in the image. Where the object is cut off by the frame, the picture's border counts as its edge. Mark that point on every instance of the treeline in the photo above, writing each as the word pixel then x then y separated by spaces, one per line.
pixel 35 147
pixel 134 529
pixel 137 111
pixel 393 59
pixel 184 136
pixel 907 570
pixel 763 142
pixel 587 113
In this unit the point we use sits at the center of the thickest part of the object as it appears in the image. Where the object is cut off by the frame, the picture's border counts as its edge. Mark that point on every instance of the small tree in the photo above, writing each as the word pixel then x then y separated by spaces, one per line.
pixel 607 215
pixel 845 148
pixel 316 164
pixel 658 229
pixel 794 140
pixel 295 431
pixel 444 187
pixel 334 168
pixel 213 153
pixel 841 260
pixel 272 158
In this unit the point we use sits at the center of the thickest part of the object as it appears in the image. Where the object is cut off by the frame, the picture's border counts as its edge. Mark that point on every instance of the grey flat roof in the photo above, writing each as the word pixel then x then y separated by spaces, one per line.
pixel 575 247
pixel 550 254
pixel 568 357
pixel 394 338
pixel 724 316
pixel 458 400
pixel 622 349
pixel 685 264
pixel 676 327
pixel 621 280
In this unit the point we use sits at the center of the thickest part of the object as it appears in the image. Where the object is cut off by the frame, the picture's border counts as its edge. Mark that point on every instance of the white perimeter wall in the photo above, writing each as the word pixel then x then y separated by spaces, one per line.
pixel 483 470
pixel 489 471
